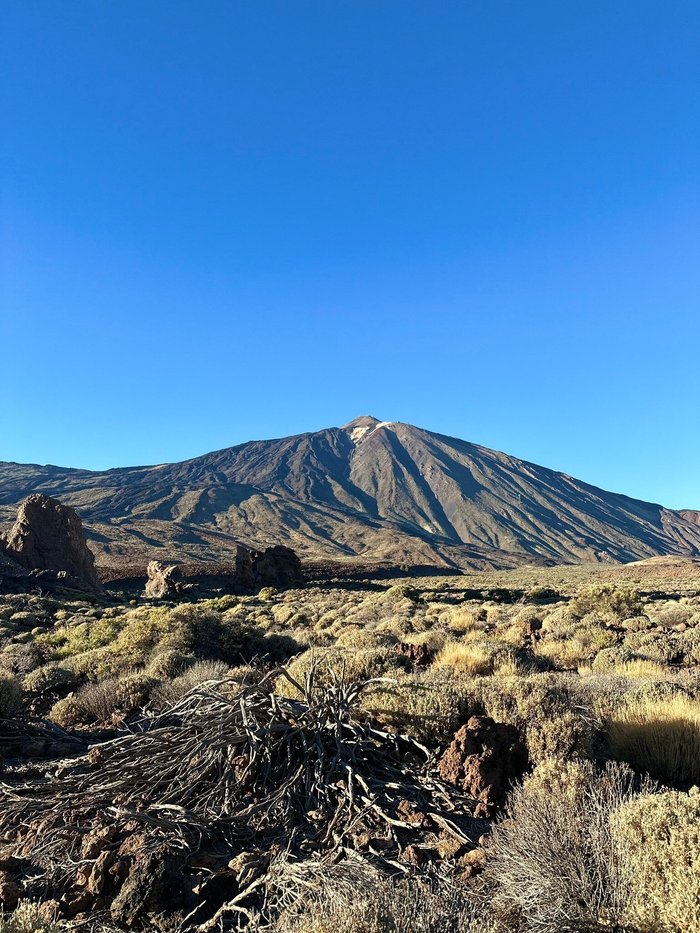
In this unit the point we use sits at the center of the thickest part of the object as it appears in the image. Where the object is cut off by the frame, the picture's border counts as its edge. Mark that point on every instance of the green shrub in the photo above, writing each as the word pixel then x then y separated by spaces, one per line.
pixel 429 708
pixel 49 678
pixel 608 600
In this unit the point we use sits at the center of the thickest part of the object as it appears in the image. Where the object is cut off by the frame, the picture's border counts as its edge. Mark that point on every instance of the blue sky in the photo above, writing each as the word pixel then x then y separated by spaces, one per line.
pixel 227 220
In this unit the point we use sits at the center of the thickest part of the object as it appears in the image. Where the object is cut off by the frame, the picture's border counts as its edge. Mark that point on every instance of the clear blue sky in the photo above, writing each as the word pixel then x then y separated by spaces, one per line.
pixel 225 220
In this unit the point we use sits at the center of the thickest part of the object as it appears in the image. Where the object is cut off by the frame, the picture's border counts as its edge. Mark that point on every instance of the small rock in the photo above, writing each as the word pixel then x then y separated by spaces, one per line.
pixel 10 891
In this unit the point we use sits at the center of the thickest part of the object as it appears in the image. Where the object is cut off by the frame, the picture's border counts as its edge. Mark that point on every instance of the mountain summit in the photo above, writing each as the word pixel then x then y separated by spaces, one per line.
pixel 377 490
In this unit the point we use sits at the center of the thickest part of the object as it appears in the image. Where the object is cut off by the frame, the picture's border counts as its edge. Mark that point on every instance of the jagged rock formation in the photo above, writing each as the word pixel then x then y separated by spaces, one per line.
pixel 372 490
pixel 48 535
pixel 275 566
pixel 164 580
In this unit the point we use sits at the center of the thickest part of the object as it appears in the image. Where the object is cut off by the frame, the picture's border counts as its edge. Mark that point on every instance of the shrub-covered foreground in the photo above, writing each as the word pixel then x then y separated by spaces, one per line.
pixel 301 809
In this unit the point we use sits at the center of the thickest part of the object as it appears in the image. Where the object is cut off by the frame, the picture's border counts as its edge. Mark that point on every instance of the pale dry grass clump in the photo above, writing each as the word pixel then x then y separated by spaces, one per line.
pixel 658 736
pixel 640 667
pixel 465 657
pixel 660 836
pixel 461 619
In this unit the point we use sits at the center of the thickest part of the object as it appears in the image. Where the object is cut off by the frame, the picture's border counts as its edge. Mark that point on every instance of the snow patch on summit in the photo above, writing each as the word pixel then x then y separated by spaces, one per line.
pixel 363 430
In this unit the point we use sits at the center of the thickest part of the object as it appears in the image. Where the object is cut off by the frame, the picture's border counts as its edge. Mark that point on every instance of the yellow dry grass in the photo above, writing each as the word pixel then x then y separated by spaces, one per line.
pixel 660 737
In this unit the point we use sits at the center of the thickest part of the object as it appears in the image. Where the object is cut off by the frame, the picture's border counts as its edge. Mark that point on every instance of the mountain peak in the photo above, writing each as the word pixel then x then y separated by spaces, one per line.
pixel 364 421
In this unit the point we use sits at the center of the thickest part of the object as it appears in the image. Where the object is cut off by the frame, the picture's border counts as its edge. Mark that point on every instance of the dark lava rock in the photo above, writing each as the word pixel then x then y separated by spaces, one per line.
pixel 484 759
pixel 154 893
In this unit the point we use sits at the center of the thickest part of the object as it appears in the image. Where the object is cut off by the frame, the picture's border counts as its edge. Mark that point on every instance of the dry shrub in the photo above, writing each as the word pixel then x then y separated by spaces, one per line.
pixel 30 918
pixel 108 701
pixel 348 664
pixel 553 857
pixel 390 907
pixel 660 836
pixel 658 736
pixel 569 649
pixel 199 673
pixel 10 695
pixel 424 706
pixel 562 735
pixel 20 659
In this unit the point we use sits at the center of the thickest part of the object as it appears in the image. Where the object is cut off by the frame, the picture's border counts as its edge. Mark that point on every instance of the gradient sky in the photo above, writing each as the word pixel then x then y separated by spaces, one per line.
pixel 225 220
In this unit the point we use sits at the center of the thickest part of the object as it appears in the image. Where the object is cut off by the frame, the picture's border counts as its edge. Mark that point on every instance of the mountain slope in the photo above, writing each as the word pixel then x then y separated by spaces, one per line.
pixel 377 490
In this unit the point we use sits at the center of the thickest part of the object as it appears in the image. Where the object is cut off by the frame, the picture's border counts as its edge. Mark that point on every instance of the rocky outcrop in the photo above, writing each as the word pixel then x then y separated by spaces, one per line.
pixel 244 573
pixel 277 566
pixel 153 893
pixel 164 581
pixel 48 536
pixel 484 759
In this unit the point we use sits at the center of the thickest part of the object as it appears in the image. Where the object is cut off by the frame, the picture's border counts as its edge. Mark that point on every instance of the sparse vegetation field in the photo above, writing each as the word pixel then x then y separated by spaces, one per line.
pixel 502 752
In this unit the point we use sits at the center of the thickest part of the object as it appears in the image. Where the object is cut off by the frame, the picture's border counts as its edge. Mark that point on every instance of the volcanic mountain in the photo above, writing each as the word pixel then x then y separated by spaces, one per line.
pixel 373 490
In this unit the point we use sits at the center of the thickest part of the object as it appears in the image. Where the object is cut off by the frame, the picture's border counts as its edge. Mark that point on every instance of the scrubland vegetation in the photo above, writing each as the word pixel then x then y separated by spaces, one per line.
pixel 599 673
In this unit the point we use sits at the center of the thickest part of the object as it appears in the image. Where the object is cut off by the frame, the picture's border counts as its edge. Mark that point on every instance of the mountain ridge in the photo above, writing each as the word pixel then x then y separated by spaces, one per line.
pixel 370 490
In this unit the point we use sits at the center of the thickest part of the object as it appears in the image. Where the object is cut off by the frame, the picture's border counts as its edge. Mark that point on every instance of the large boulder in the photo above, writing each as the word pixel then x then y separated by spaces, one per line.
pixel 276 566
pixel 48 535
pixel 484 759
pixel 164 580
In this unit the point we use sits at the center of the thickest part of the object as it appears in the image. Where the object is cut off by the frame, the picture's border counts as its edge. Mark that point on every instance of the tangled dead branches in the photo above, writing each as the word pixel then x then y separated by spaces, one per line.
pixel 215 812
